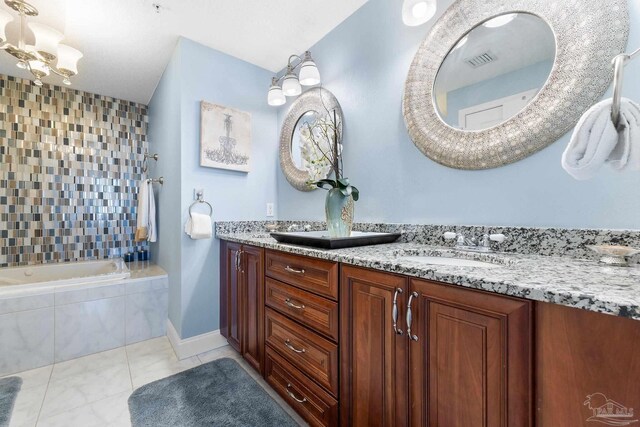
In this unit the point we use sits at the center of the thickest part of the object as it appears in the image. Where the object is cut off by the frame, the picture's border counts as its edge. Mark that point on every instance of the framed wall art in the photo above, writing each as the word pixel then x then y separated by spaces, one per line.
pixel 225 137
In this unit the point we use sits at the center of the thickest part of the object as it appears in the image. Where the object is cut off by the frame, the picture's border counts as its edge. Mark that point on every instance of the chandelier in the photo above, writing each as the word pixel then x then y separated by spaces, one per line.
pixel 47 50
pixel 292 84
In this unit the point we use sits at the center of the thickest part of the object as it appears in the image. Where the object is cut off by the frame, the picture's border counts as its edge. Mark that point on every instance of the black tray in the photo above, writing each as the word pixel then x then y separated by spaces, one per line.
pixel 321 239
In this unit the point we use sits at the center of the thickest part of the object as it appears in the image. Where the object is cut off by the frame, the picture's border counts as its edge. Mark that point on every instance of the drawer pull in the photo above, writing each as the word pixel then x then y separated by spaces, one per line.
pixel 293 396
pixel 410 317
pixel 292 305
pixel 292 348
pixel 293 270
pixel 394 312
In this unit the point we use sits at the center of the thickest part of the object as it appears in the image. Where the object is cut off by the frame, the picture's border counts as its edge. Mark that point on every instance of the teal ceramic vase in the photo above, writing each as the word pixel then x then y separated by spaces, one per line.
pixel 339 212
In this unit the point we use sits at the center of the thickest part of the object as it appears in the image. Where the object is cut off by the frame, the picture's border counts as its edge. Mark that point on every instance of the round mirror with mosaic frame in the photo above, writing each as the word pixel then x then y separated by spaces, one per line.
pixel 300 160
pixel 570 45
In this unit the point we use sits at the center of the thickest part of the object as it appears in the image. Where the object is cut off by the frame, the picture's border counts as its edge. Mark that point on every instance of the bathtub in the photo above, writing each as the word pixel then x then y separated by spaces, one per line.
pixel 55 312
pixel 60 275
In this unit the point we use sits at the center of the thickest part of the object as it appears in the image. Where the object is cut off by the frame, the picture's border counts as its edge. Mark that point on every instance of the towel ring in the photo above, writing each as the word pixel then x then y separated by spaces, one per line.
pixel 618 76
pixel 199 200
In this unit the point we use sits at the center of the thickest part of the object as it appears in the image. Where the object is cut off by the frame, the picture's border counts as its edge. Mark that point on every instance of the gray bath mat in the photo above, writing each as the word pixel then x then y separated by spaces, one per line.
pixel 9 388
pixel 219 393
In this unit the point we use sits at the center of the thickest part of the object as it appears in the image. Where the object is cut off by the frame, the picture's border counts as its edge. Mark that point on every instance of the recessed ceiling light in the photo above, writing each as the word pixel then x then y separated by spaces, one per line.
pixel 501 20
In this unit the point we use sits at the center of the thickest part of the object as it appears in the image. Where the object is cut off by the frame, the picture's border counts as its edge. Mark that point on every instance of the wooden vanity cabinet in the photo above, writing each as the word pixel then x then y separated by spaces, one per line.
pixel 242 300
pixel 469 358
pixel 374 364
pixel 587 364
pixel 252 295
pixel 301 334
pixel 467 363
pixel 333 341
pixel 230 316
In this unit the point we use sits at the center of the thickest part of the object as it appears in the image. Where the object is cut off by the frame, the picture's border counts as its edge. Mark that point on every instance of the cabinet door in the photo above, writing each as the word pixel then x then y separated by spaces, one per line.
pixel 252 297
pixel 373 356
pixel 584 361
pixel 230 313
pixel 470 358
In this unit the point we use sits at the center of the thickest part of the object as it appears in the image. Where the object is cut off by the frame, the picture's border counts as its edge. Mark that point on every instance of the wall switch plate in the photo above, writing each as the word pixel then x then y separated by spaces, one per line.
pixel 269 209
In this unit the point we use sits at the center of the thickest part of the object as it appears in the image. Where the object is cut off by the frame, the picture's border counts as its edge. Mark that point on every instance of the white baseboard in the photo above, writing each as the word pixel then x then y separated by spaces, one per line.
pixel 188 347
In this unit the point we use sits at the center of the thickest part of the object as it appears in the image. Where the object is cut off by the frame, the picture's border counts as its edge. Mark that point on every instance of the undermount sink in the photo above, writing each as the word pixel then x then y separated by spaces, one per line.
pixel 456 262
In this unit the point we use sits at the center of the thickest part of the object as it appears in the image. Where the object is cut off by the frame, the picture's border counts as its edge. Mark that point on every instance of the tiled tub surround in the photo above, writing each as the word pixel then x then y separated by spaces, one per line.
pixel 573 282
pixel 70 162
pixel 40 327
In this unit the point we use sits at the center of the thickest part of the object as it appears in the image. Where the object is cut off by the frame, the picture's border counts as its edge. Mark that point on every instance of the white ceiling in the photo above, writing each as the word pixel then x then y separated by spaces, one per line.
pixel 127 45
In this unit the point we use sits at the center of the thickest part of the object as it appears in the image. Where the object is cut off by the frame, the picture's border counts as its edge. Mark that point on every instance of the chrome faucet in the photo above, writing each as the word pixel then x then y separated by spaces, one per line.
pixel 293 227
pixel 296 227
pixel 480 244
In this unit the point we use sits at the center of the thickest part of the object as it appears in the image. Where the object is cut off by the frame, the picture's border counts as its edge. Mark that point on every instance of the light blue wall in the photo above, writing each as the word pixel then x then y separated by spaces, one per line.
pixel 364 62
pixel 221 79
pixel 522 80
pixel 198 73
pixel 164 139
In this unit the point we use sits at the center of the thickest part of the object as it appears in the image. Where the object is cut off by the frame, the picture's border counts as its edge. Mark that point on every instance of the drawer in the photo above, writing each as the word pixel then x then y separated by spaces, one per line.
pixel 315 356
pixel 315 275
pixel 315 312
pixel 314 404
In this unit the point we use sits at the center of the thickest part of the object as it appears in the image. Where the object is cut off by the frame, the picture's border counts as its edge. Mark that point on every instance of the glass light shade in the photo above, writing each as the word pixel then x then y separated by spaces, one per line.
pixel 417 12
pixel 5 18
pixel 68 58
pixel 47 39
pixel 39 68
pixel 291 85
pixel 501 20
pixel 276 97
pixel 309 74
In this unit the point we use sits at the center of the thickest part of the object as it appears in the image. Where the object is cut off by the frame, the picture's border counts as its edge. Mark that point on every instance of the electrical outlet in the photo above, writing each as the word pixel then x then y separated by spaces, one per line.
pixel 269 209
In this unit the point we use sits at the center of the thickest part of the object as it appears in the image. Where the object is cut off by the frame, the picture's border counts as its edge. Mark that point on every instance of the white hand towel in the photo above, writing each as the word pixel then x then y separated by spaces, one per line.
pixel 142 221
pixel 151 206
pixel 626 155
pixel 596 141
pixel 199 226
pixel 146 214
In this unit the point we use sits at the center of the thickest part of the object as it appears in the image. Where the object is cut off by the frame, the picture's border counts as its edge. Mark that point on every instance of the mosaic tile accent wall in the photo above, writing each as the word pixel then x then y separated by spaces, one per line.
pixel 70 164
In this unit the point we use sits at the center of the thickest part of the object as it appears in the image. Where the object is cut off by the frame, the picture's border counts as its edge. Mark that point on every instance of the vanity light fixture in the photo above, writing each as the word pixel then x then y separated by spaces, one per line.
pixel 417 12
pixel 501 20
pixel 40 58
pixel 276 97
pixel 292 83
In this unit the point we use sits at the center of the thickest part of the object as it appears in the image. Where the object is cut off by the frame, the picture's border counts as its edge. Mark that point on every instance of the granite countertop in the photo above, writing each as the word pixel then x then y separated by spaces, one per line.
pixel 584 284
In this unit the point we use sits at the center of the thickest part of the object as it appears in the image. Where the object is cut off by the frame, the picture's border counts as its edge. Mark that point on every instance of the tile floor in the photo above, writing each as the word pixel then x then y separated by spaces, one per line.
pixel 92 391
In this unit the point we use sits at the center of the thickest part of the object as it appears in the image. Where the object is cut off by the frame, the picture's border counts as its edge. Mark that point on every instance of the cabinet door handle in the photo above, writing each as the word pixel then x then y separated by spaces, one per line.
pixel 237 260
pixel 293 396
pixel 394 311
pixel 287 342
pixel 240 252
pixel 292 305
pixel 293 270
pixel 410 317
